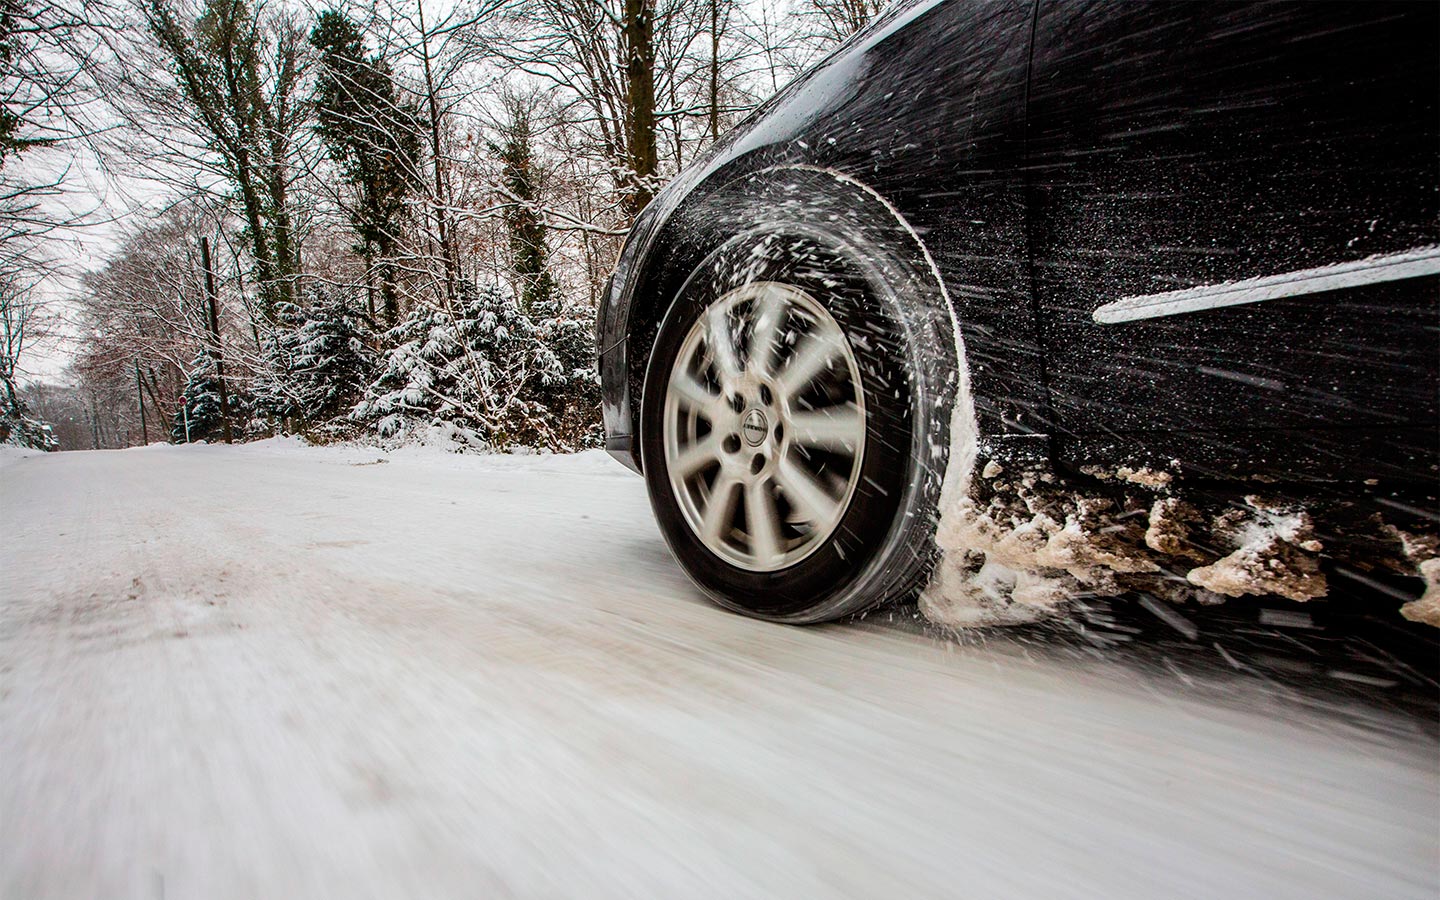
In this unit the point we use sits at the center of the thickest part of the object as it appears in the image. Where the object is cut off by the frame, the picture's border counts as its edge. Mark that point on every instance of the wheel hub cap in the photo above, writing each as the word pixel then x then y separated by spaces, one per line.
pixel 755 427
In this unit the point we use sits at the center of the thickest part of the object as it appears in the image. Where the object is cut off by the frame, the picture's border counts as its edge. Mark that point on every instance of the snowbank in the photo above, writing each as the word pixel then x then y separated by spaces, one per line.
pixel 9 454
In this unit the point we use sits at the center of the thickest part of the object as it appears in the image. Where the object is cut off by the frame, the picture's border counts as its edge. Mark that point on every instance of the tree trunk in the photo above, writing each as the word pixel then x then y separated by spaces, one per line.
pixel 637 28
pixel 152 388
pixel 442 193
pixel 216 348
pixel 140 399
pixel 369 257
pixel 714 70
pixel 94 422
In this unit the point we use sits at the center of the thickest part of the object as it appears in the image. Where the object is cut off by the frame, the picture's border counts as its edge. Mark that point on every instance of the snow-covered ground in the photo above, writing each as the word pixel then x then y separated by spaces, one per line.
pixel 277 671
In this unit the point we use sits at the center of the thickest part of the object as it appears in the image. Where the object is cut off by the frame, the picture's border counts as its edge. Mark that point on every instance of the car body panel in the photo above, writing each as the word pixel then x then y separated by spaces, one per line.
pixel 1147 148
pixel 1179 146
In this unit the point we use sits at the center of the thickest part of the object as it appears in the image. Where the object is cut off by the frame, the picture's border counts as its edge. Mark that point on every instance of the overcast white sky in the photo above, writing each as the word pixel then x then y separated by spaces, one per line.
pixel 95 211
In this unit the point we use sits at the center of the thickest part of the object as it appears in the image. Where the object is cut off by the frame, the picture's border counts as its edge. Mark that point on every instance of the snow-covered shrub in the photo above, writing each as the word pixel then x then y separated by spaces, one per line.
pixel 318 362
pixel 572 400
pixel 18 427
pixel 481 371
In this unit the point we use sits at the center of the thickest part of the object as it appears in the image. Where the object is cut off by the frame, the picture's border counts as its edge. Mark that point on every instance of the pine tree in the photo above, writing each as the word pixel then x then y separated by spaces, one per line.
pixel 373 137
pixel 274 388
pixel 477 372
pixel 521 178
pixel 199 417
pixel 571 397
pixel 332 361
pixel 405 391
pixel 318 363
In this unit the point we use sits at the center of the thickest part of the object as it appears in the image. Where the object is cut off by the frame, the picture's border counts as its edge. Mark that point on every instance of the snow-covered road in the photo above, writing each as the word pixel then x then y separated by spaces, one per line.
pixel 275 672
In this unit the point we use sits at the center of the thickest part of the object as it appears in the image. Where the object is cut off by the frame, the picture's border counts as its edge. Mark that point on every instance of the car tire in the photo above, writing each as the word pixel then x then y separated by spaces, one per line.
pixel 784 498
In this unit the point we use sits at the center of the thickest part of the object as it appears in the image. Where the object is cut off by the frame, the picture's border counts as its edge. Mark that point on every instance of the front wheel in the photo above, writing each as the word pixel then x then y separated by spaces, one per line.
pixel 781 431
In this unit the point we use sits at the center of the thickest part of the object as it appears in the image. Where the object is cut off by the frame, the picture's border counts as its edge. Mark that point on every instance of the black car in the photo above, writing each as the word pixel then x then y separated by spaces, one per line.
pixel 1119 296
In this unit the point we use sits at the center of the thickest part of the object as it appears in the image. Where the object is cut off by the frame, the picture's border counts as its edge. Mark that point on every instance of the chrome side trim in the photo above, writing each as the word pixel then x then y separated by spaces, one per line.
pixel 1415 263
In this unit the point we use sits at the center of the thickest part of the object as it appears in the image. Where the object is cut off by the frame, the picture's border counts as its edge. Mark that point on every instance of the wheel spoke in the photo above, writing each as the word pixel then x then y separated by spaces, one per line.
pixel 804 493
pixel 695 395
pixel 721 340
pixel 811 356
pixel 835 428
pixel 763 520
pixel 769 312
pixel 697 456
pixel 719 513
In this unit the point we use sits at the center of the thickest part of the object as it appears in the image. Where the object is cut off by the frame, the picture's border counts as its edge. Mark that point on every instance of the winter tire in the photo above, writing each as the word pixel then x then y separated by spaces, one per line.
pixel 781 429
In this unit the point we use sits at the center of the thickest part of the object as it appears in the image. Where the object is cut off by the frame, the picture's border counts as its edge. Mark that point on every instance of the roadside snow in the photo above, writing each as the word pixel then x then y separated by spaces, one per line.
pixel 9 453
pixel 439 456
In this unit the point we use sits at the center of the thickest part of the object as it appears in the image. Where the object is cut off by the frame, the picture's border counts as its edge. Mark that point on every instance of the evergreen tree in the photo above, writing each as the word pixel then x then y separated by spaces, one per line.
pixel 372 136
pixel 521 177
pixel 199 417
pixel 317 363
pixel 332 361
pixel 478 371
pixel 274 388
pixel 571 397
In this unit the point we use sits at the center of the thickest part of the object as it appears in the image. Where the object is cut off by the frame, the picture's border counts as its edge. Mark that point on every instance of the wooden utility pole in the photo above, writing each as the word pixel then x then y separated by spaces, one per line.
pixel 140 396
pixel 94 422
pixel 215 345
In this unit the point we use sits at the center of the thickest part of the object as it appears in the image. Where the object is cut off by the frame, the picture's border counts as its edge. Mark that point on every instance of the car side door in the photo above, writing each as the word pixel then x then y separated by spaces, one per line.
pixel 1176 148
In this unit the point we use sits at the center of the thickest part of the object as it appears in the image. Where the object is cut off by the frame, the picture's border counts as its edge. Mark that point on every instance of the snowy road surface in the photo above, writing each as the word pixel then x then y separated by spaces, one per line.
pixel 276 672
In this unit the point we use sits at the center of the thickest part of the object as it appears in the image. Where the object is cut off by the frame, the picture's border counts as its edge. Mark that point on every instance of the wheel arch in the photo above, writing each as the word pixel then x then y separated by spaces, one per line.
pixel 818 199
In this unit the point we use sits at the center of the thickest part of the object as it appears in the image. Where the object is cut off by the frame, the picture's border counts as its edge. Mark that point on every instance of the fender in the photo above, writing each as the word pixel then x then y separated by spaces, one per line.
pixel 637 299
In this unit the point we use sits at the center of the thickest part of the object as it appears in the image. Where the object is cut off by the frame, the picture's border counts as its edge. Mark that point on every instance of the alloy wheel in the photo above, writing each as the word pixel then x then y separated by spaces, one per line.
pixel 764 426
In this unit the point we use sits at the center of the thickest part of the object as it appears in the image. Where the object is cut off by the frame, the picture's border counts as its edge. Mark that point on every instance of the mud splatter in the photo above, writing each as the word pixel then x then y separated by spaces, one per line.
pixel 1018 544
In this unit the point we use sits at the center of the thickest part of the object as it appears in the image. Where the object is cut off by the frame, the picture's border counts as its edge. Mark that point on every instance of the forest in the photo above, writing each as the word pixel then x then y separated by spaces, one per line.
pixel 386 221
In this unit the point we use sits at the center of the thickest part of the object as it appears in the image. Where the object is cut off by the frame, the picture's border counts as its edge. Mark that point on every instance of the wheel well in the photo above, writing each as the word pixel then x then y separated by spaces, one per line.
pixel 817 198
pixel 671 259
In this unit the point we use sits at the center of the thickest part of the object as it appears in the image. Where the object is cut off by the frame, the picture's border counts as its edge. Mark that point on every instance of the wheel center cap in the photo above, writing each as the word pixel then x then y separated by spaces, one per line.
pixel 755 427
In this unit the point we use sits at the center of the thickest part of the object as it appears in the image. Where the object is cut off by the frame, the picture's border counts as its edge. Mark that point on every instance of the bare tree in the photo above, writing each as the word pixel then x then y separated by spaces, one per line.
pixel 23 321
pixel 63 408
pixel 148 309
pixel 602 53
pixel 432 52
pixel 836 20
pixel 234 86
pixel 49 50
